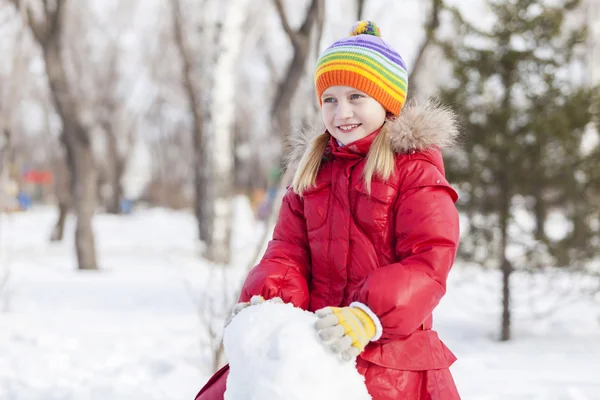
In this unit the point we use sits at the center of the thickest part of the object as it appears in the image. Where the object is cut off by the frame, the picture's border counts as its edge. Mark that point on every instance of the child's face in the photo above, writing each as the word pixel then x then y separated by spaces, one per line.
pixel 349 114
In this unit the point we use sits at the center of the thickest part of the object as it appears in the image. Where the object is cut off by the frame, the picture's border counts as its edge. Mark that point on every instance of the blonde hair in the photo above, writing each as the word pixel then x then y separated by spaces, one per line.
pixel 380 161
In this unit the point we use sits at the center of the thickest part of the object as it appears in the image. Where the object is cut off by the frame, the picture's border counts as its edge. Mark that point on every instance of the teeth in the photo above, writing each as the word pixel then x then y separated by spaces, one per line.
pixel 347 128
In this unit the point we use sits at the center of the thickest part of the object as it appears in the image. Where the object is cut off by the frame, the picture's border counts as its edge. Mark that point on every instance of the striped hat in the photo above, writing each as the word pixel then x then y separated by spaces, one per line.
pixel 365 62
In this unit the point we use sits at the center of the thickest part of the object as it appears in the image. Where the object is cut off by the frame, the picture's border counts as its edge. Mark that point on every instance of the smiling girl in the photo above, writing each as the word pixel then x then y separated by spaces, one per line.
pixel 368 231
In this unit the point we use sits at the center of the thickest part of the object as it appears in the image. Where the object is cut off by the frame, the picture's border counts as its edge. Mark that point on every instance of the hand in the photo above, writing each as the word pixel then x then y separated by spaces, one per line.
pixel 346 330
pixel 256 299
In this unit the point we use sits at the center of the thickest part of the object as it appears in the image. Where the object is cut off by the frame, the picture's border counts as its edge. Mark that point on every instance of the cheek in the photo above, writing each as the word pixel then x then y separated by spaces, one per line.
pixel 376 117
pixel 327 118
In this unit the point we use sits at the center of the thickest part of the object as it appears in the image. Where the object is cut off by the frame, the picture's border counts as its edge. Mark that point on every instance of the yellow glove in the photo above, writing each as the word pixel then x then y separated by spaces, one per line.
pixel 347 330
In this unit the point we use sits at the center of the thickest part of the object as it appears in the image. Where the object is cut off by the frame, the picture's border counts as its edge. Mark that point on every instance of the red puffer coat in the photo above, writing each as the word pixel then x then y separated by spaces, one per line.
pixel 391 249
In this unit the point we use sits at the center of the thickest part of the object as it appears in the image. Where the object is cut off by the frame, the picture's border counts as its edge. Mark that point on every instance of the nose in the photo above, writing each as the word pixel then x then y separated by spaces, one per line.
pixel 343 110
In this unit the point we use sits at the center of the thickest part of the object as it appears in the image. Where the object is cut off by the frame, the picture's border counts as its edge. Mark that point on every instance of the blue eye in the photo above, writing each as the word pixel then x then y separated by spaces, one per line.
pixel 355 96
pixel 328 100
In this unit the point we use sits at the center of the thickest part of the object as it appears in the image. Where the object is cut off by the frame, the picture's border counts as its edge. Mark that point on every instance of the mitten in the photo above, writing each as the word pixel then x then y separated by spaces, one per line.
pixel 256 299
pixel 347 330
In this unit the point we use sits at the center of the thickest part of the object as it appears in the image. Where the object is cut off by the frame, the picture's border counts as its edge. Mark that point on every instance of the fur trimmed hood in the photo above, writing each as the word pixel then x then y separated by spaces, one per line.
pixel 419 127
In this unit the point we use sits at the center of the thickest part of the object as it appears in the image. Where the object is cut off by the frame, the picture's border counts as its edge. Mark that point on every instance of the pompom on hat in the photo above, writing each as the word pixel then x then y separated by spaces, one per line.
pixel 365 62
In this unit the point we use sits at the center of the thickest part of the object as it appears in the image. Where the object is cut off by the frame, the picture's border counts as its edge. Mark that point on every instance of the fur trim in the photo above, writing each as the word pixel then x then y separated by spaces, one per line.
pixel 298 142
pixel 423 126
pixel 419 127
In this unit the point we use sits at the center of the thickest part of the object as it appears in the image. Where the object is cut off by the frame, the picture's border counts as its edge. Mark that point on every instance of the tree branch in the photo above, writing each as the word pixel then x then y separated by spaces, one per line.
pixel 319 33
pixel 285 23
pixel 360 9
pixel 311 16
pixel 280 107
pixel 53 17
pixel 433 23
pixel 268 60
pixel 39 29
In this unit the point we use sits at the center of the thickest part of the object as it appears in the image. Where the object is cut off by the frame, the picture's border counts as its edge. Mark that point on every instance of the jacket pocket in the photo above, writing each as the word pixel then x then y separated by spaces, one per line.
pixel 316 205
pixel 380 191
pixel 373 209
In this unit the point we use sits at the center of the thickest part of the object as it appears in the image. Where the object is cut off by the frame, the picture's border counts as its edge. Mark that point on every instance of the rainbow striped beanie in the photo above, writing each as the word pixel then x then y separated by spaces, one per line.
pixel 365 62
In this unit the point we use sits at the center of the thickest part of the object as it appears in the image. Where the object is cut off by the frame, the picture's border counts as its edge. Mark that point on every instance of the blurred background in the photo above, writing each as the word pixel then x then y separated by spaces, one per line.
pixel 141 148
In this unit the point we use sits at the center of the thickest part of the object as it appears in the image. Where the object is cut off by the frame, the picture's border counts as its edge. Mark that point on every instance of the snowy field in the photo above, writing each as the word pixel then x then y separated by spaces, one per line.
pixel 132 331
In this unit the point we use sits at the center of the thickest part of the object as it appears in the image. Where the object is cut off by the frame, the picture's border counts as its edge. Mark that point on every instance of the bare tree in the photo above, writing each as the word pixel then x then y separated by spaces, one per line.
pixel 107 103
pixel 317 13
pixel 300 40
pixel 118 125
pixel 5 150
pixel 170 149
pixel 63 198
pixel 9 90
pixel 75 136
pixel 194 103
pixel 319 32
pixel 431 27
pixel 222 157
pixel 61 183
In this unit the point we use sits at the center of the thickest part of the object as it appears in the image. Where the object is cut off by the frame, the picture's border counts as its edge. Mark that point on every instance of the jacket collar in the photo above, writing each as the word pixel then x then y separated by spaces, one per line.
pixel 419 127
pixel 356 149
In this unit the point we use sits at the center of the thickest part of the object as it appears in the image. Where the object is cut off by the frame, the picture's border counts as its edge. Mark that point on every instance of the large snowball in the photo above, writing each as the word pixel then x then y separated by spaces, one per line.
pixel 274 353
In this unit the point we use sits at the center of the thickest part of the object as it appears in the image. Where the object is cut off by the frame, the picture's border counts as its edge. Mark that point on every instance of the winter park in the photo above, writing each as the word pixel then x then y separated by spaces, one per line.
pixel 290 200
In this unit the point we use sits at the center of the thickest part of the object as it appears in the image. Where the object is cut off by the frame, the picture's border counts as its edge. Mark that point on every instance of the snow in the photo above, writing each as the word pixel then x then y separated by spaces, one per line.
pixel 261 344
pixel 130 331
pixel 133 330
pixel 554 355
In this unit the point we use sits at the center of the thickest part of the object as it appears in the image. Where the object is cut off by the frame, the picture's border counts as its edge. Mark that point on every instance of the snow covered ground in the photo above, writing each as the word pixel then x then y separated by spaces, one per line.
pixel 554 356
pixel 132 330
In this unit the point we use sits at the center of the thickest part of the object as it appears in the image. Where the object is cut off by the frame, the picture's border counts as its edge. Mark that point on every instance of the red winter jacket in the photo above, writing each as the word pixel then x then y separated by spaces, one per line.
pixel 391 249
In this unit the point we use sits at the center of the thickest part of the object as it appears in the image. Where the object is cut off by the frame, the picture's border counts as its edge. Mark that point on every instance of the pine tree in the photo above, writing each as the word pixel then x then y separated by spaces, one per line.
pixel 524 120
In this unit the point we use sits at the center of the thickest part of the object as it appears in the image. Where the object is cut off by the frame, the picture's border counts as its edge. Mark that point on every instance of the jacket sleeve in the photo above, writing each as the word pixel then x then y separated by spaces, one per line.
pixel 284 270
pixel 404 294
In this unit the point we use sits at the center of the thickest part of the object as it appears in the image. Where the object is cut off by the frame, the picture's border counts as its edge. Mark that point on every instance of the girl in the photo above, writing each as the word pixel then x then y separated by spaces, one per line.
pixel 368 231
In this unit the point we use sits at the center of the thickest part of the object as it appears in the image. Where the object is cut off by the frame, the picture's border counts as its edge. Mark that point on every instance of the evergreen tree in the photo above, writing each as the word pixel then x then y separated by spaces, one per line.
pixel 524 120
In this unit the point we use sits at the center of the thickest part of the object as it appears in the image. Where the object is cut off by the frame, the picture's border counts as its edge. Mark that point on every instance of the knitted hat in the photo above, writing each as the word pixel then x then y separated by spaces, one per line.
pixel 365 62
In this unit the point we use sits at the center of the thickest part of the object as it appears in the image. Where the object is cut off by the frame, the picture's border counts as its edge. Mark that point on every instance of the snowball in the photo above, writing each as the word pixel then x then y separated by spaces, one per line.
pixel 274 353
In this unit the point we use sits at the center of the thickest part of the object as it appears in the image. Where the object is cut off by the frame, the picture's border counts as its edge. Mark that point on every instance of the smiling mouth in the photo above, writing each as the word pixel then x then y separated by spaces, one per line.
pixel 348 128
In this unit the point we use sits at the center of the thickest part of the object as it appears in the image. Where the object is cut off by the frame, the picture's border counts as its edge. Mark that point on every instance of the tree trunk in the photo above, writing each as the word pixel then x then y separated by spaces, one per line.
pixel 504 215
pixel 360 8
pixel 117 168
pixel 280 108
pixel 78 148
pixel 288 87
pixel 505 329
pixel 507 270
pixel 222 157
pixel 113 205
pixel 431 27
pixel 505 265
pixel 59 227
pixel 74 136
pixel 197 120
